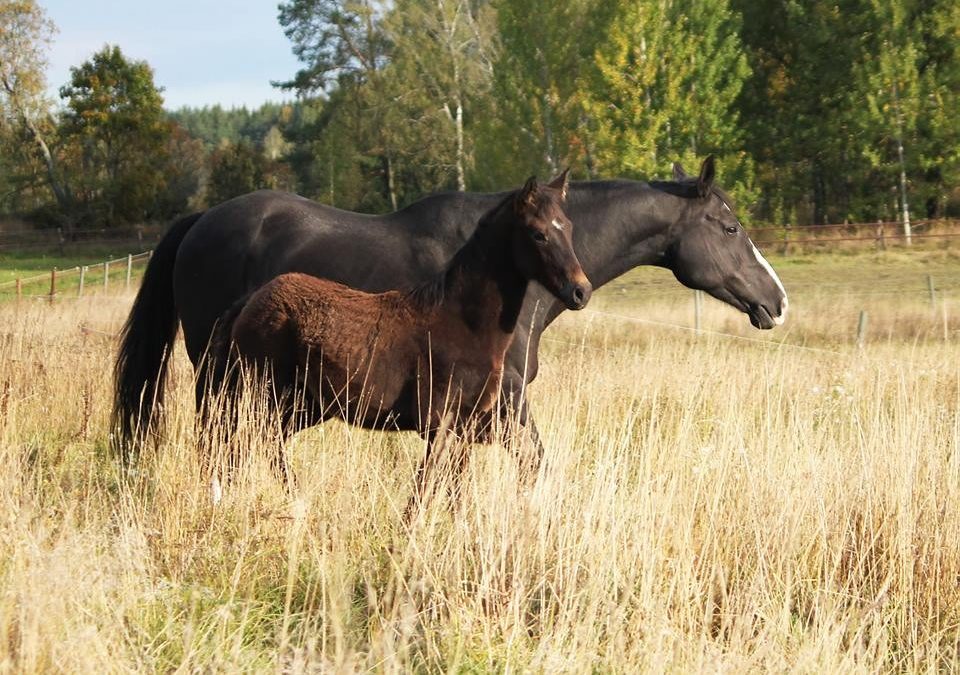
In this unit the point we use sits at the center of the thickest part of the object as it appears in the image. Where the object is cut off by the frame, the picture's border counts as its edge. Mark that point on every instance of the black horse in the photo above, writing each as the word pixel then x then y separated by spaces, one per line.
pixel 208 261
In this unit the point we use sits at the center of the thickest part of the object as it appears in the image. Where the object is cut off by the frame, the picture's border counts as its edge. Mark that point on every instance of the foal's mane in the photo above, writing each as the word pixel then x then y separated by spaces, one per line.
pixel 431 292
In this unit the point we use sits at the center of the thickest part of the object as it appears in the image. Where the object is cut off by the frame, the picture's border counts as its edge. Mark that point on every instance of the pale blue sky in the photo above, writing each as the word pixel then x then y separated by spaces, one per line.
pixel 202 51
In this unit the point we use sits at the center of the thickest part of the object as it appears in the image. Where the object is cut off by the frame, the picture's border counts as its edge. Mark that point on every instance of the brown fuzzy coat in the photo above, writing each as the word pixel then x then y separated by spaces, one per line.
pixel 376 360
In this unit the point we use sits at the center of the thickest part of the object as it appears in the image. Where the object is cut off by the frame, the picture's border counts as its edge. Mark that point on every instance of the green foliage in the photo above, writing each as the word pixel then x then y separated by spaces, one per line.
pixel 806 104
pixel 537 125
pixel 215 124
pixel 665 88
pixel 241 168
pixel 835 87
pixel 116 133
pixel 442 51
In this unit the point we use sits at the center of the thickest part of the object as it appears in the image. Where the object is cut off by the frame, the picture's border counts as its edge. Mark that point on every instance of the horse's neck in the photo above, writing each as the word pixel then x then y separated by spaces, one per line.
pixel 619 226
pixel 484 290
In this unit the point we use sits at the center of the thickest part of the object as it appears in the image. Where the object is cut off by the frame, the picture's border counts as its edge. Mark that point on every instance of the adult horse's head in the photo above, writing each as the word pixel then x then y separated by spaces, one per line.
pixel 543 241
pixel 710 251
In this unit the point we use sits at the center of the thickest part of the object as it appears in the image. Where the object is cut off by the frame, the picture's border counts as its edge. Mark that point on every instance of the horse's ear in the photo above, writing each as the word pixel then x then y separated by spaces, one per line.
pixel 707 173
pixel 561 183
pixel 527 197
pixel 678 173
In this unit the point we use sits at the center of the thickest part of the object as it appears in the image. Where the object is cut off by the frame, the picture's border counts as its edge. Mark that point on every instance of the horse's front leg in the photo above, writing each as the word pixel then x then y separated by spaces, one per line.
pixel 516 424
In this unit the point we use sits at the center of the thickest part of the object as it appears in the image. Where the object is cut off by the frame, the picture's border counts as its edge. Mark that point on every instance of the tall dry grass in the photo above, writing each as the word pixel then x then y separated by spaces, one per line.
pixel 706 504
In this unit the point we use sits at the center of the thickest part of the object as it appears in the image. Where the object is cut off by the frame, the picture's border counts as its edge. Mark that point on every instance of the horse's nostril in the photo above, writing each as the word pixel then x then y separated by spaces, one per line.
pixel 578 294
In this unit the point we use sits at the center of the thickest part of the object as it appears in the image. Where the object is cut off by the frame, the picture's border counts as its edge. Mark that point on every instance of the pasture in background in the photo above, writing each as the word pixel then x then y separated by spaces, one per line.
pixel 727 499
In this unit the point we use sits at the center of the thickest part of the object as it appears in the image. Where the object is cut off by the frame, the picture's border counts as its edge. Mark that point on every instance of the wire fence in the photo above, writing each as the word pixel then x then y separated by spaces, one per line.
pixel 788 240
pixel 75 282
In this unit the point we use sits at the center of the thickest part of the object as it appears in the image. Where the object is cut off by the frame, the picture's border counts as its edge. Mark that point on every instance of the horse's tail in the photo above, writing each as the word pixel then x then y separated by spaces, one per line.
pixel 146 343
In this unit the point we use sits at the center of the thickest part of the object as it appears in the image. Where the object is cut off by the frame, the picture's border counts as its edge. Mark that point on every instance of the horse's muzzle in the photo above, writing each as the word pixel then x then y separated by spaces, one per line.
pixel 576 295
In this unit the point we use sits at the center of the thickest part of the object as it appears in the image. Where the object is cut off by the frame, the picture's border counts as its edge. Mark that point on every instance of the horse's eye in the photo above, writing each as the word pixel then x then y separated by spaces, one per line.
pixel 539 236
pixel 731 229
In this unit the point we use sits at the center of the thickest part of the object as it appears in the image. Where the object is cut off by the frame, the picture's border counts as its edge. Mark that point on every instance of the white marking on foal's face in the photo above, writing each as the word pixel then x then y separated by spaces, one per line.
pixel 557 224
pixel 783 304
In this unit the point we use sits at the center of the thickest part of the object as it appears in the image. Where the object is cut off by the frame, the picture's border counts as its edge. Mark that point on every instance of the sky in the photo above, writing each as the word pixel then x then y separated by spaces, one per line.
pixel 202 52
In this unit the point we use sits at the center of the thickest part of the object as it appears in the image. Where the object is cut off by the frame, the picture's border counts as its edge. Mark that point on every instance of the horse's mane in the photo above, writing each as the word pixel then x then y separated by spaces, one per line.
pixel 687 188
pixel 431 292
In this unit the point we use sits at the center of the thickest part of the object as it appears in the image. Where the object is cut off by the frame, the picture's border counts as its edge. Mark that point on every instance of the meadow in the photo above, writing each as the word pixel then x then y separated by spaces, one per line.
pixel 723 501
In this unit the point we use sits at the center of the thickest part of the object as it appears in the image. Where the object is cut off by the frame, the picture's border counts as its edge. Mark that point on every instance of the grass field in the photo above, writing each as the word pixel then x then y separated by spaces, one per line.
pixel 708 503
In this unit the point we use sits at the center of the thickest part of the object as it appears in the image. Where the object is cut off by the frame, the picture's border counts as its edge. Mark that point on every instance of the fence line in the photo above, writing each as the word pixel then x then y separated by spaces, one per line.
pixel 880 234
pixel 82 272
pixel 56 238
pixel 894 225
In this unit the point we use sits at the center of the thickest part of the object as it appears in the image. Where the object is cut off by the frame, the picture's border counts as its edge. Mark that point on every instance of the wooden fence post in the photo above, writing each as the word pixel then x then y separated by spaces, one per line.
pixel 129 269
pixel 53 283
pixel 862 328
pixel 946 321
pixel 697 308
pixel 933 294
pixel 83 277
pixel 881 240
pixel 106 273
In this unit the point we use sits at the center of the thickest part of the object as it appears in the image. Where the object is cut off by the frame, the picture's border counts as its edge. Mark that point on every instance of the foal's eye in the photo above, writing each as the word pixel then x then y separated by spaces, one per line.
pixel 730 229
pixel 539 236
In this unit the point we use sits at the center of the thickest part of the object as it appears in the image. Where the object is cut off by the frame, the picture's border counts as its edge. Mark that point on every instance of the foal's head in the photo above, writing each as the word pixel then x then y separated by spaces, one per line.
pixel 542 241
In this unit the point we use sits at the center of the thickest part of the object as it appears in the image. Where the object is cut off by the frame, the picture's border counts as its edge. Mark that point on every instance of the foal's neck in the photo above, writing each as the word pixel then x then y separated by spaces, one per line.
pixel 482 286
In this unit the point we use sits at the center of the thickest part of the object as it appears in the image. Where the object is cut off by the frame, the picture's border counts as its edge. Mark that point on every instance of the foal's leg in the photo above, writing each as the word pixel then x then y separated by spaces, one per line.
pixel 423 474
pixel 293 409
pixel 446 449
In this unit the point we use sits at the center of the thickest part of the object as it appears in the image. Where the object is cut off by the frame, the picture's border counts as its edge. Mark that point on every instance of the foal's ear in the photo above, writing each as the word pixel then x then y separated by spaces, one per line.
pixel 707 173
pixel 561 183
pixel 527 197
pixel 678 173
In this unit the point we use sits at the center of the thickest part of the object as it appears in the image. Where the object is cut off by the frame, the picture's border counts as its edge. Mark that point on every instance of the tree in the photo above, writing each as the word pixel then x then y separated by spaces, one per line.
pixel 908 79
pixel 25 34
pixel 118 133
pixel 665 88
pixel 237 169
pixel 443 59
pixel 837 88
pixel 537 124
pixel 344 48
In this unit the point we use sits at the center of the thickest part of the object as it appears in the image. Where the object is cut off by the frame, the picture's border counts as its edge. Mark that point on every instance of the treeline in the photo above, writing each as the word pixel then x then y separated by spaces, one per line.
pixel 818 112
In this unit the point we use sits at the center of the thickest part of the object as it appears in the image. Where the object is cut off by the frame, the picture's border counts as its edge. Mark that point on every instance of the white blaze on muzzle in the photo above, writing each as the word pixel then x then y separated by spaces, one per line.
pixel 783 303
